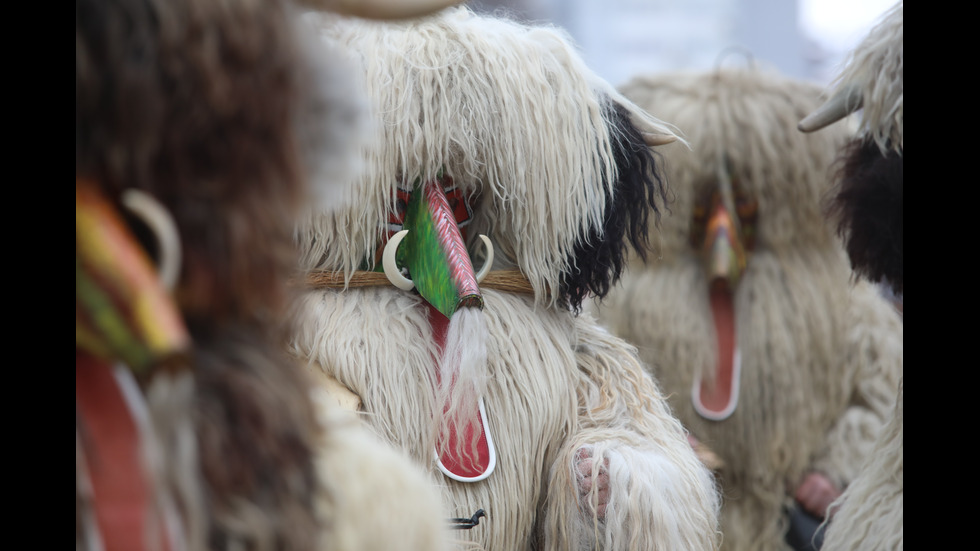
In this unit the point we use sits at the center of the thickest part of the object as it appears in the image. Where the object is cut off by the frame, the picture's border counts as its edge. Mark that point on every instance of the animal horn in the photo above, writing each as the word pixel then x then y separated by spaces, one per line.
pixel 489 261
pixel 652 139
pixel 164 229
pixel 840 105
pixel 391 268
pixel 380 9
pixel 652 134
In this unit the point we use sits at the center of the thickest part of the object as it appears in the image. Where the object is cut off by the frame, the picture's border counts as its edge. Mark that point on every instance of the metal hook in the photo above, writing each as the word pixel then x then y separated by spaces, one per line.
pixel 467 523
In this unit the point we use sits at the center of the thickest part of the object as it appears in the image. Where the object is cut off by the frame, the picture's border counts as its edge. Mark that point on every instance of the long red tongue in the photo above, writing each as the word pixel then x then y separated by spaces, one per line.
pixel 462 467
pixel 716 399
pixel 111 440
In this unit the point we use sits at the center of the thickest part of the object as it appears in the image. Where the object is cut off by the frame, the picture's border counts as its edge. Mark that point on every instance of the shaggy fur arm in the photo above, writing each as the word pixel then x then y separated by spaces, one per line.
pixel 374 498
pixel 660 496
pixel 875 348
pixel 870 514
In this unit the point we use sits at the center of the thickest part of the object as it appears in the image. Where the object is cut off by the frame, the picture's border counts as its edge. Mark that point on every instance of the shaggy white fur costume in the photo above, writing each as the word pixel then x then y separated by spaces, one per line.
pixel 870 513
pixel 820 355
pixel 526 131
pixel 374 497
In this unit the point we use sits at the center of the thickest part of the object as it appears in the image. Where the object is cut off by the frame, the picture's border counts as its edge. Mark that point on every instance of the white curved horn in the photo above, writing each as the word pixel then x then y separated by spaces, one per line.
pixel 391 267
pixel 653 139
pixel 842 104
pixel 164 229
pixel 488 263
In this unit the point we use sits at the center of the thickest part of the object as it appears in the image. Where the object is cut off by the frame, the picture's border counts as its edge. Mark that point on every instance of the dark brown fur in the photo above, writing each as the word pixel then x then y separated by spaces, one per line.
pixel 192 102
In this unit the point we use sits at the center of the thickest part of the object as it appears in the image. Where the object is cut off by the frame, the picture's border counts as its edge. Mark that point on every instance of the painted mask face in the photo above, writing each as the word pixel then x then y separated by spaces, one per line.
pixel 723 231
pixel 723 226
pixel 458 205
pixel 427 231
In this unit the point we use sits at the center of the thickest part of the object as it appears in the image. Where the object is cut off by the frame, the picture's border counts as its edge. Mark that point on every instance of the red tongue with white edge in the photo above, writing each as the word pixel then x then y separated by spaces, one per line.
pixel 463 467
pixel 111 442
pixel 716 398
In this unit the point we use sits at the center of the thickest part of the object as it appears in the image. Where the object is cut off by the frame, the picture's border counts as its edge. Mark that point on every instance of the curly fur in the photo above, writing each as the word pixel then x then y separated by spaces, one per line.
pixel 821 355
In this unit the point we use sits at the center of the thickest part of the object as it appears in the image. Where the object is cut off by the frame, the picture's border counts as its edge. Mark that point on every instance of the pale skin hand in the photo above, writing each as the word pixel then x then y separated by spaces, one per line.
pixel 584 465
pixel 816 493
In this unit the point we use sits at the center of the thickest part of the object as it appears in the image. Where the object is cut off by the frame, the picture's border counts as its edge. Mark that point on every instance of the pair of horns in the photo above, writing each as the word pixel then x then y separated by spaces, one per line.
pixel 846 101
pixel 405 284
pixel 380 9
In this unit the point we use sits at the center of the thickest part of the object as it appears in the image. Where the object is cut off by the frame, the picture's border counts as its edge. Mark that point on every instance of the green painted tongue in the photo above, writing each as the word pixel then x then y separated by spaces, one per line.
pixel 435 254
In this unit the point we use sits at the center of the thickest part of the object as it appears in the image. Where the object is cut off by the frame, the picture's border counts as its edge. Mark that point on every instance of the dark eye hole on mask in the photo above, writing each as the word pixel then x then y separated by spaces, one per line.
pixel 746 208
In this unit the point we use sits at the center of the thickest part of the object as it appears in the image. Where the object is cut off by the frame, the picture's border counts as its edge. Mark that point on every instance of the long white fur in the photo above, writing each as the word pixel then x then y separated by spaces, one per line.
pixel 877 67
pixel 463 378
pixel 556 383
pixel 333 123
pixel 506 110
pixel 376 499
pixel 870 516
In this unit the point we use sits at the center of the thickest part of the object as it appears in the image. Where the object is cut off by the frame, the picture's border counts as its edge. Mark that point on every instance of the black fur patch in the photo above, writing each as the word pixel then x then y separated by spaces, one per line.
pixel 600 256
pixel 867 205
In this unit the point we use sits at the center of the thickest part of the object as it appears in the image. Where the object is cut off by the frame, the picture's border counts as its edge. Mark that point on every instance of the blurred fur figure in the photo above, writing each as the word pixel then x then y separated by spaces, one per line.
pixel 194 428
pixel 770 355
pixel 498 130
pixel 868 208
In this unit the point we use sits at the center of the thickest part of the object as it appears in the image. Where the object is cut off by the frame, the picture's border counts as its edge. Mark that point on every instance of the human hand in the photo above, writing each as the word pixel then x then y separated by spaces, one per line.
pixel 584 465
pixel 816 493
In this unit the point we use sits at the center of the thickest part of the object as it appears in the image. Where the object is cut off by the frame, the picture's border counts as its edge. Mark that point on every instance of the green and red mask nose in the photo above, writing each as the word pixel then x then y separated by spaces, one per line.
pixel 426 241
pixel 425 250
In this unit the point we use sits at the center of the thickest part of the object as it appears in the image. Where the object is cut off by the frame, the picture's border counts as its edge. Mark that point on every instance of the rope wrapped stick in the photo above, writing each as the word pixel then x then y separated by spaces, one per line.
pixel 508 281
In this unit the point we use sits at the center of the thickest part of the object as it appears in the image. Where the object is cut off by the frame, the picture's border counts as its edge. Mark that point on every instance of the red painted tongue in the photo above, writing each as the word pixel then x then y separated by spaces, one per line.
pixel 464 468
pixel 716 399
pixel 111 441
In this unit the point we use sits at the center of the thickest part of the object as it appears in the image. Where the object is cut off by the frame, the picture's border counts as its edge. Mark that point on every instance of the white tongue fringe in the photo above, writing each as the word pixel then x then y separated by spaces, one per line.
pixel 463 376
